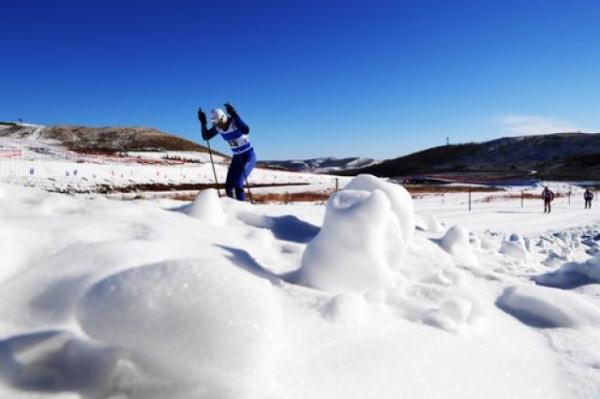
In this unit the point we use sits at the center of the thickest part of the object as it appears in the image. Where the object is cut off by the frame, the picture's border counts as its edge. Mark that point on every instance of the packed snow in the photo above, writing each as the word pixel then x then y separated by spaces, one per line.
pixel 372 295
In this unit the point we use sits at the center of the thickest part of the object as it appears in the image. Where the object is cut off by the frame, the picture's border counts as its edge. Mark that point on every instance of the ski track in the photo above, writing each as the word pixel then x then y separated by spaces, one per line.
pixel 35 135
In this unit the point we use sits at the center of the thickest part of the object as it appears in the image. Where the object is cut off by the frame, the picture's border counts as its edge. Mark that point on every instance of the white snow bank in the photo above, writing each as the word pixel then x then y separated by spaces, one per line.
pixel 358 247
pixel 117 314
pixel 457 243
pixel 208 319
pixel 549 307
pixel 207 207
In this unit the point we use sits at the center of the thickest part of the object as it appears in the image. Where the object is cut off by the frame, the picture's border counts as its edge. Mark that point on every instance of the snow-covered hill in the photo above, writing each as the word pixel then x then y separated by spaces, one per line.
pixel 76 159
pixel 372 296
pixel 100 139
pixel 564 156
pixel 321 165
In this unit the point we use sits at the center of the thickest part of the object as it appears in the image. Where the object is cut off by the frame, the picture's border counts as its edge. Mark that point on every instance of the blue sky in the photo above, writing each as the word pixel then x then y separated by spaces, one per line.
pixel 311 78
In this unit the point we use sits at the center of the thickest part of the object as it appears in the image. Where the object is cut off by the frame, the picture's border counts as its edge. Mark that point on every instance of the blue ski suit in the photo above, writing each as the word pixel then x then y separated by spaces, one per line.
pixel 244 157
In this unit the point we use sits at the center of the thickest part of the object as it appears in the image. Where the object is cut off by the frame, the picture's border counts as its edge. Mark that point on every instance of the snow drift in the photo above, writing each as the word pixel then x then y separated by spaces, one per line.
pixel 549 307
pixel 207 208
pixel 365 233
pixel 153 300
pixel 456 242
pixel 400 201
pixel 572 274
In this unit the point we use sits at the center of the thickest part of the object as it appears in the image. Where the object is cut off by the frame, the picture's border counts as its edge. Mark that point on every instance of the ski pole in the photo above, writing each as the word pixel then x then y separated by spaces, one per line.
pixel 248 186
pixel 213 167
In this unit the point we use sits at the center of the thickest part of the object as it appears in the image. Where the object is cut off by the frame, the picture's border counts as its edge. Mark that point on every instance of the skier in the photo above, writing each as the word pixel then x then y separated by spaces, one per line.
pixel 588 196
pixel 235 132
pixel 548 197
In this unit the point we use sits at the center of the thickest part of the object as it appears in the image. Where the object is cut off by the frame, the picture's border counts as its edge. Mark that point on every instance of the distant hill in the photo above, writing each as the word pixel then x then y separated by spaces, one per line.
pixel 102 139
pixel 320 165
pixel 560 156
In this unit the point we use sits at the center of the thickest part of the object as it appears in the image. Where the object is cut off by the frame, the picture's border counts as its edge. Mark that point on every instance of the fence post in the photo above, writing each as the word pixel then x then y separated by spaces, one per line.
pixel 337 184
pixel 469 199
pixel 522 197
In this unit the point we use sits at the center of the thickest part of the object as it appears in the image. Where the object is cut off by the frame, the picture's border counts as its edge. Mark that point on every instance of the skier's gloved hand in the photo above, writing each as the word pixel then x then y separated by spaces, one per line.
pixel 230 110
pixel 201 117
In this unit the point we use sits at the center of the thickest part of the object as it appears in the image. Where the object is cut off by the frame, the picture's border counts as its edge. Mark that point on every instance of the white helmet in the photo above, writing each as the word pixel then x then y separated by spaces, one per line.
pixel 216 115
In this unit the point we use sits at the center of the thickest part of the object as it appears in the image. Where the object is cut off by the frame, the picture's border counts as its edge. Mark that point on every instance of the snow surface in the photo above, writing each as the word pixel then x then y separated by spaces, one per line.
pixel 220 299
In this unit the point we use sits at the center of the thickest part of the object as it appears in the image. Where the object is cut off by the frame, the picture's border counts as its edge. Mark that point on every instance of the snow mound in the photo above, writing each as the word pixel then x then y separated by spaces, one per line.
pixel 549 307
pixel 554 259
pixel 430 223
pixel 515 247
pixel 360 244
pixel 207 207
pixel 572 274
pixel 456 242
pixel 210 320
pixel 401 201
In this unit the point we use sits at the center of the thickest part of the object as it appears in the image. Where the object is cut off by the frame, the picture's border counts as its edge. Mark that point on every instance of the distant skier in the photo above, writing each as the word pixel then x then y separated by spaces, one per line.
pixel 235 132
pixel 548 197
pixel 588 196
